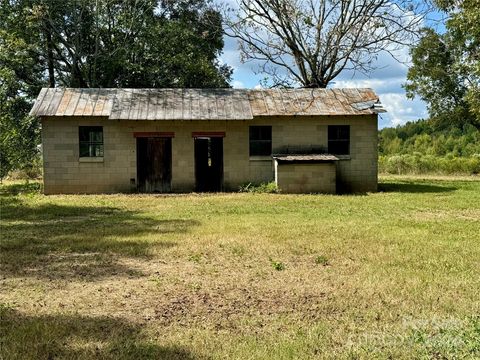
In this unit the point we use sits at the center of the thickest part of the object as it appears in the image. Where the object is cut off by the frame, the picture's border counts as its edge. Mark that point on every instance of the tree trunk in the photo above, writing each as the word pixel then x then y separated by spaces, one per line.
pixel 50 64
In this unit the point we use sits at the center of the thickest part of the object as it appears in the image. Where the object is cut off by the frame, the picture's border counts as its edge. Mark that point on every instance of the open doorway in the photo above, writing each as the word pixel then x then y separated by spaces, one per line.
pixel 208 164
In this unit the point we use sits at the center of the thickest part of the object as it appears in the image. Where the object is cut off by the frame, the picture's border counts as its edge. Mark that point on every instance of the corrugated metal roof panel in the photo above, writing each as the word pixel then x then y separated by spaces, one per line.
pixel 203 104
pixel 305 157
pixel 287 102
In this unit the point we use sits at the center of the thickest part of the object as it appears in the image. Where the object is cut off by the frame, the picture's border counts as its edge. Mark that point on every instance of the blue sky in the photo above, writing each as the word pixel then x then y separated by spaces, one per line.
pixel 386 80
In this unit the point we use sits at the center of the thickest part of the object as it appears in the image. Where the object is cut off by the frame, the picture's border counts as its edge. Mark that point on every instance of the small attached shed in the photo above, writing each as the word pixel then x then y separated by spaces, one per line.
pixel 313 173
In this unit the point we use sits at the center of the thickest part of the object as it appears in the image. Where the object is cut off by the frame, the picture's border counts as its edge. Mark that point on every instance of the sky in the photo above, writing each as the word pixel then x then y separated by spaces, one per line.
pixel 386 80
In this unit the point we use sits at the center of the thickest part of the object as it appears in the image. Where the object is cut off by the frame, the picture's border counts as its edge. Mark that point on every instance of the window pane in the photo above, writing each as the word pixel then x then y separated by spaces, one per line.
pixel 339 147
pixel 260 133
pixel 260 148
pixel 339 139
pixel 91 141
pixel 260 140
pixel 84 149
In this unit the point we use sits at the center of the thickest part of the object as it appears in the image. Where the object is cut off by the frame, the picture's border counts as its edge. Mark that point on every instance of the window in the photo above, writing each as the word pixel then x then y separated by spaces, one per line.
pixel 260 140
pixel 91 141
pixel 339 139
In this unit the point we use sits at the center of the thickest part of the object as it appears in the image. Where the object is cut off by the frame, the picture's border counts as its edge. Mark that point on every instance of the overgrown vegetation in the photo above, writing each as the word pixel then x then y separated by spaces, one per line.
pixel 198 276
pixel 262 188
pixel 427 147
pixel 445 73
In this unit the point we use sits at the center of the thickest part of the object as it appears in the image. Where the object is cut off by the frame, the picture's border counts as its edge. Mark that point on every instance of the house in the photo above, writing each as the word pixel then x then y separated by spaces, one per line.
pixel 182 140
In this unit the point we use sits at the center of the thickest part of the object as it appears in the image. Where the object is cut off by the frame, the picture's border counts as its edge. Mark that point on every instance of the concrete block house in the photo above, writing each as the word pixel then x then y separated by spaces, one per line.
pixel 183 140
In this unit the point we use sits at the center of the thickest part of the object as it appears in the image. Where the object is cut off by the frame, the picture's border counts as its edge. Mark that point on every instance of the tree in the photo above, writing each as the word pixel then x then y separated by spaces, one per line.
pixel 20 80
pixel 464 26
pixel 126 43
pixel 445 69
pixel 102 43
pixel 310 42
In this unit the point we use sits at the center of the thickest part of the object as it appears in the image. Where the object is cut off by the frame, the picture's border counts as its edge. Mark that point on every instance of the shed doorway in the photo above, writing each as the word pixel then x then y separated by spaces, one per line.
pixel 154 164
pixel 208 164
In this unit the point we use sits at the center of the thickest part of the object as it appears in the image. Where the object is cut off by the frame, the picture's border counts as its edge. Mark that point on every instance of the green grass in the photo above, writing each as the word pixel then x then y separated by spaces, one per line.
pixel 395 274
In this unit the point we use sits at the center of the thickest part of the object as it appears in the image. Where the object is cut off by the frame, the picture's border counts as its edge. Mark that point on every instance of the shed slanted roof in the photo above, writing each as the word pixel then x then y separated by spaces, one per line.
pixel 203 104
pixel 305 157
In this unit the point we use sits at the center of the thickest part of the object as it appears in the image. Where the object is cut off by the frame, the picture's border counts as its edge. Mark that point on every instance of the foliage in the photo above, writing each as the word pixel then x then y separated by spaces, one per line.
pixel 445 69
pixel 428 164
pixel 421 147
pixel 123 43
pixel 106 43
pixel 425 138
pixel 265 188
pixel 309 43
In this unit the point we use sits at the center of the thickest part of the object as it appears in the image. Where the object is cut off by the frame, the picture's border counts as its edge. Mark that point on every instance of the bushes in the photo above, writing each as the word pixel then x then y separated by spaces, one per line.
pixel 424 137
pixel 421 164
pixel 423 147
pixel 270 187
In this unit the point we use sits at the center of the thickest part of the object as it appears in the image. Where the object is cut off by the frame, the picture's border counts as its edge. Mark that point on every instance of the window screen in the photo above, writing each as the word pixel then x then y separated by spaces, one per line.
pixel 339 139
pixel 91 141
pixel 260 140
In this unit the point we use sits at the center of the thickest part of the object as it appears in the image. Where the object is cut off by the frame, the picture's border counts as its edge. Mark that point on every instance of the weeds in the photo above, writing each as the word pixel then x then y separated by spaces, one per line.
pixel 195 258
pixel 321 260
pixel 263 188
pixel 277 265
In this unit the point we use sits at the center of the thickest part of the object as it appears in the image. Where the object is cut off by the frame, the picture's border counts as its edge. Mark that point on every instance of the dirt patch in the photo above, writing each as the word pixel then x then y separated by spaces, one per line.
pixel 226 307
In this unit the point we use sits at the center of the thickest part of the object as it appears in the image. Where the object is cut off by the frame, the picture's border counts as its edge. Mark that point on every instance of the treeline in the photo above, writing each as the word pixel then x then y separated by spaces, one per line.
pixel 421 147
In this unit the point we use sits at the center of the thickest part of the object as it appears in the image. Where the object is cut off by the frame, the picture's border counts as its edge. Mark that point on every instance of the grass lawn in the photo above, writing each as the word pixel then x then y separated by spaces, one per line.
pixel 395 274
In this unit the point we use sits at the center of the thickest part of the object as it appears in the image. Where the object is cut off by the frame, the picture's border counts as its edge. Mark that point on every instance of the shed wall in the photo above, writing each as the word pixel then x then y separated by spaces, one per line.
pixel 64 172
pixel 306 178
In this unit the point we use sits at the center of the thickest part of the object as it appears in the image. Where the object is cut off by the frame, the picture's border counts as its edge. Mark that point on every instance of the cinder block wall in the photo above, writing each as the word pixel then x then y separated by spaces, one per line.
pixel 65 173
pixel 306 178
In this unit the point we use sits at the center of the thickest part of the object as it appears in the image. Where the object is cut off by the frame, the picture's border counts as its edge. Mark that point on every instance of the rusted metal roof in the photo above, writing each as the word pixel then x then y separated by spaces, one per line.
pixel 145 104
pixel 305 158
pixel 287 102
pixel 203 104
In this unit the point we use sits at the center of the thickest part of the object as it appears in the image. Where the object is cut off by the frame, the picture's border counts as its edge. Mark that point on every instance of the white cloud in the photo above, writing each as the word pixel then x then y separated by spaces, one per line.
pixel 400 109
pixel 387 80
pixel 237 84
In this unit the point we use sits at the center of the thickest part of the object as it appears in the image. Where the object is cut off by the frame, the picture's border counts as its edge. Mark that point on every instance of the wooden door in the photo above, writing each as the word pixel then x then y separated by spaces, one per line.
pixel 209 164
pixel 154 164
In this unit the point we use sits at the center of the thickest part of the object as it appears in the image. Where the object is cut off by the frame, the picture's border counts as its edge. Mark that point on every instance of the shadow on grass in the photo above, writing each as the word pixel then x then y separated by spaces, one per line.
pixel 77 337
pixel 16 188
pixel 62 241
pixel 413 187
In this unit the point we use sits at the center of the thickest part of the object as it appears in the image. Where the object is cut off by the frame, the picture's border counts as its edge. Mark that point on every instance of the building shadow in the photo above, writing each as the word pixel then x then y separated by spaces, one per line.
pixel 63 241
pixel 74 336
pixel 413 187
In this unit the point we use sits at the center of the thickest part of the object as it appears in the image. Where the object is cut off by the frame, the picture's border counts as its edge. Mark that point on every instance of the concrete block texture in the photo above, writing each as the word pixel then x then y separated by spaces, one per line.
pixel 64 172
pixel 306 178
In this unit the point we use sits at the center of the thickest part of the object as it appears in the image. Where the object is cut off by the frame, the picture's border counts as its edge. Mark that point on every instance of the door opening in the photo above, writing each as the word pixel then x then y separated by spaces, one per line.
pixel 209 164
pixel 154 164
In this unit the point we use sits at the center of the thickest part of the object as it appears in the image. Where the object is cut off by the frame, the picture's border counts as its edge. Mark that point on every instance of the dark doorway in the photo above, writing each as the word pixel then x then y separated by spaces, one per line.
pixel 154 164
pixel 209 163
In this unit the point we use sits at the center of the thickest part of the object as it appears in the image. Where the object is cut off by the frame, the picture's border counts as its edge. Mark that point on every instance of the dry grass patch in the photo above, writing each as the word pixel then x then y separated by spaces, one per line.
pixel 391 275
